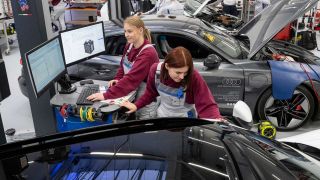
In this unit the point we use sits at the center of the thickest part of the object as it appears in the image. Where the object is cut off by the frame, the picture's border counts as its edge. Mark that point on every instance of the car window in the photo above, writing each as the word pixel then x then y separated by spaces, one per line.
pixel 166 42
pixel 223 42
pixel 115 45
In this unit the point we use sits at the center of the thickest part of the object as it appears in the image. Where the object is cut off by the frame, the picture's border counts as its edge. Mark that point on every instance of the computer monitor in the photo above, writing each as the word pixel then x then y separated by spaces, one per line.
pixel 45 64
pixel 83 43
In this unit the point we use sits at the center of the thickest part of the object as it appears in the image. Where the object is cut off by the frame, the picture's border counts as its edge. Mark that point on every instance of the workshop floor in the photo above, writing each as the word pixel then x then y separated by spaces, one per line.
pixel 15 110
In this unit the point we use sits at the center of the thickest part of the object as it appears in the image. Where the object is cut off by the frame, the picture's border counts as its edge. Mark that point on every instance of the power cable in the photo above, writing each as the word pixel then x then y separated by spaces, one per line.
pixel 108 162
pixel 309 78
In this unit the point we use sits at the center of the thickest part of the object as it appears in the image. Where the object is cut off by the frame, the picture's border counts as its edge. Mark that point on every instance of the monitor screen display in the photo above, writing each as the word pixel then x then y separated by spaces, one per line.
pixel 82 43
pixel 45 64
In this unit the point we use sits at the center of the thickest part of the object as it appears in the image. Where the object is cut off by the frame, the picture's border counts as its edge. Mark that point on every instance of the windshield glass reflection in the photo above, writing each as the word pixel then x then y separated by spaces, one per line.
pixel 167 154
pixel 299 163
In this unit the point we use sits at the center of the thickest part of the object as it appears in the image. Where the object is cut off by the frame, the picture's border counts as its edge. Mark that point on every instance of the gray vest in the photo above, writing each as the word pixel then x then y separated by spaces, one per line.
pixel 172 100
pixel 148 111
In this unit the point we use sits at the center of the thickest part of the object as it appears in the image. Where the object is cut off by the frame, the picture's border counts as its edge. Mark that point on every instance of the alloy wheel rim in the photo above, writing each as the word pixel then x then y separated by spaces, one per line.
pixel 287 113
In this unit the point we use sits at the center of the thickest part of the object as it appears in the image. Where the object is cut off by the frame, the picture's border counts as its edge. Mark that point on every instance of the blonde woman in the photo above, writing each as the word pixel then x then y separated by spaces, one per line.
pixel 138 56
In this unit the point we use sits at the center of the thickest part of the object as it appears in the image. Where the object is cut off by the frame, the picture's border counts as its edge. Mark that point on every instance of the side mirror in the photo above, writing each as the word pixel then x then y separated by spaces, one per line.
pixel 242 115
pixel 212 61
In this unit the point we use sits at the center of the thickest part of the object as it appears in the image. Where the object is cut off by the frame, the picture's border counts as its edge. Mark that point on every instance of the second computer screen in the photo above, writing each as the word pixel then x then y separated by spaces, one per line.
pixel 81 43
pixel 45 63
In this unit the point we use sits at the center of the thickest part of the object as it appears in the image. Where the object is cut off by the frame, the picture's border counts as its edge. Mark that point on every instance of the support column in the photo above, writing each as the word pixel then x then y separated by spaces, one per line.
pixel 2 135
pixel 33 26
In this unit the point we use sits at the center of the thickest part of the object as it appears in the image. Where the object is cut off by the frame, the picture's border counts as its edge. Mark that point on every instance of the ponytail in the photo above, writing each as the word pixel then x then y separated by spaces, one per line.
pixel 147 34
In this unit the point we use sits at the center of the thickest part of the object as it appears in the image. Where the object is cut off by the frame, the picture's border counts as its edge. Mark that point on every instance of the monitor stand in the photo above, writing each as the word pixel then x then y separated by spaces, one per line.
pixel 66 87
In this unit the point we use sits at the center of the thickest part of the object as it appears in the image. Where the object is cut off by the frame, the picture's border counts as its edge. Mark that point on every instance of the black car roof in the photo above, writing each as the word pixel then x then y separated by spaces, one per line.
pixel 171 21
pixel 155 22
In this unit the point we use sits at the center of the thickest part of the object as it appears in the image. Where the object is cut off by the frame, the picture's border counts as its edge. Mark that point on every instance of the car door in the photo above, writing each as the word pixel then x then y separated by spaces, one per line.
pixel 102 67
pixel 226 82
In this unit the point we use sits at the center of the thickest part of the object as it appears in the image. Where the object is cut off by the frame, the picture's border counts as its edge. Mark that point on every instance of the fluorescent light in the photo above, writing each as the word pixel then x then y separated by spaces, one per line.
pixel 30 162
pixel 151 132
pixel 214 171
pixel 276 177
pixel 195 139
pixel 117 154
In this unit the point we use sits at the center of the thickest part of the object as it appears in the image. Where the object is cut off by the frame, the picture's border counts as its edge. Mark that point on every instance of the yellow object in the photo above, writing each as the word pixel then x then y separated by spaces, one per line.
pixel 266 129
pixel 83 113
pixel 80 113
pixel 209 36
pixel 89 115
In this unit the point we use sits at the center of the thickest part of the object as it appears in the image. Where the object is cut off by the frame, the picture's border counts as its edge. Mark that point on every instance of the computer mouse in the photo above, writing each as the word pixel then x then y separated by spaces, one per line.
pixel 10 131
pixel 89 81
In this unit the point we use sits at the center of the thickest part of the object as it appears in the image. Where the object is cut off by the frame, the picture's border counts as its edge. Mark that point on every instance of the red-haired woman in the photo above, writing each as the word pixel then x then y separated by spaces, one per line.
pixel 182 90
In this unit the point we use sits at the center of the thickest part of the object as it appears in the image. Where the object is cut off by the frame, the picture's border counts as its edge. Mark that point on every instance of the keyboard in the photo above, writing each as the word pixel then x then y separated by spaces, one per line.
pixel 87 91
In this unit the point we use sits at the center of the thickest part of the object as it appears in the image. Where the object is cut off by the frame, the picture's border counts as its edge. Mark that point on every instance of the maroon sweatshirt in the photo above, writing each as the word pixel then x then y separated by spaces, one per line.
pixel 139 72
pixel 198 93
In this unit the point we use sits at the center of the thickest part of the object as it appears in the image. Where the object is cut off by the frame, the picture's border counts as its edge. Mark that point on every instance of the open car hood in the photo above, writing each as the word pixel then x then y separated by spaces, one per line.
pixel 194 7
pixel 264 26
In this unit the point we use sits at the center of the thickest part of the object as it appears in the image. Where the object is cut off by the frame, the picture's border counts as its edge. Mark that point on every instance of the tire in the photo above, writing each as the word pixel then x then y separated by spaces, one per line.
pixel 286 115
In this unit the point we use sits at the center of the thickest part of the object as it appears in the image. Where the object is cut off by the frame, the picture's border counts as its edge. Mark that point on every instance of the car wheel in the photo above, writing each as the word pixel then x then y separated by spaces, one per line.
pixel 288 114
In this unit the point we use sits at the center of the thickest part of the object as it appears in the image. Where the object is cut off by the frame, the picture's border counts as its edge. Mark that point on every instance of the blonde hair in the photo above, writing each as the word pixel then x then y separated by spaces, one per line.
pixel 137 22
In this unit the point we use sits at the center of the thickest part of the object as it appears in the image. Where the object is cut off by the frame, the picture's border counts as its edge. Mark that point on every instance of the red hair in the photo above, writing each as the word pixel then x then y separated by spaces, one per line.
pixel 177 58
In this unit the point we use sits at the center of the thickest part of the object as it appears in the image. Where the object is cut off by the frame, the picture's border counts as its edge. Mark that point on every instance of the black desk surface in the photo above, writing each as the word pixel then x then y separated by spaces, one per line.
pixel 60 99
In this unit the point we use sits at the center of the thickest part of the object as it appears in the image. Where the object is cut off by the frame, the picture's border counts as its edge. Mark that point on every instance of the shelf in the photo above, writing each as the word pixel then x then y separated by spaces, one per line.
pixel 82 9
pixel 79 14
pixel 86 1
pixel 79 22
pixel 300 30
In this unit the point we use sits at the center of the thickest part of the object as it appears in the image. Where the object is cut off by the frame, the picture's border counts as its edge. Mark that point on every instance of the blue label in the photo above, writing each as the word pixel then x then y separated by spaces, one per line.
pixel 180 93
pixel 190 114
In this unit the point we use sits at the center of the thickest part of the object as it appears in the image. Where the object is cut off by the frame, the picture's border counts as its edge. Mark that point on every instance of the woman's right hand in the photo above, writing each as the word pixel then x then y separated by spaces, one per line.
pixel 132 107
pixel 112 83
pixel 96 97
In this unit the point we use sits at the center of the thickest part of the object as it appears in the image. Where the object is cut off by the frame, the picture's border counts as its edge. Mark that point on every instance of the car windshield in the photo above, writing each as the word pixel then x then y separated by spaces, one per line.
pixel 192 5
pixel 177 152
pixel 223 42
pixel 299 163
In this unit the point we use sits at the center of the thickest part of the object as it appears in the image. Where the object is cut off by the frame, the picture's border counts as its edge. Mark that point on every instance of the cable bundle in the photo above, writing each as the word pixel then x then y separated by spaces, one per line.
pixel 85 113
pixel 67 109
pixel 90 114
